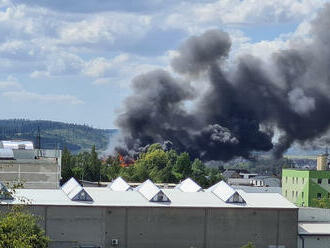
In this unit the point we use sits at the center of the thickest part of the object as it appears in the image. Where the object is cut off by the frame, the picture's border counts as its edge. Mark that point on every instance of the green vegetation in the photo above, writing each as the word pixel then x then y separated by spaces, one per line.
pixel 156 164
pixel 19 229
pixel 321 203
pixel 249 245
pixel 56 134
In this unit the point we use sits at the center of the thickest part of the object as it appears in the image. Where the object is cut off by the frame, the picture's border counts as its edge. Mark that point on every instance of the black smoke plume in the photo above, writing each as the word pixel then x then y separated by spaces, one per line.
pixel 243 107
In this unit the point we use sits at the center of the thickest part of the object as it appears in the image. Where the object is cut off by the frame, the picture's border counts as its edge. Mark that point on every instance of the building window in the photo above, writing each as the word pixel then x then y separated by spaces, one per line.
pixel 293 180
pixel 286 193
pixel 297 180
pixel 303 180
pixel 296 194
pixel 302 195
pixel 319 195
pixel 328 181
pixel 286 179
pixel 292 194
pixel 319 181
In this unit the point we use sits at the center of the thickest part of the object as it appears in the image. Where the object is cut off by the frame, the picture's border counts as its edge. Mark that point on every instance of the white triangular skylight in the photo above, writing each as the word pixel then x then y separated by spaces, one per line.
pixel 189 185
pixel 151 192
pixel 75 192
pixel 119 184
pixel 226 193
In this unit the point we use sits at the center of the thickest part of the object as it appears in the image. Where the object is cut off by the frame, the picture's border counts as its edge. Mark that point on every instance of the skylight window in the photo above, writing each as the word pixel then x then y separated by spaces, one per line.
pixel 119 184
pixel 226 193
pixel 189 185
pixel 151 192
pixel 75 192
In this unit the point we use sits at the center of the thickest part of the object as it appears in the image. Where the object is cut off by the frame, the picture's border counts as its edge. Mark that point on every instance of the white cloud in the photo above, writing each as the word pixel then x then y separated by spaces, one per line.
pixel 42 42
pixel 120 69
pixel 196 17
pixel 104 29
pixel 21 96
pixel 10 84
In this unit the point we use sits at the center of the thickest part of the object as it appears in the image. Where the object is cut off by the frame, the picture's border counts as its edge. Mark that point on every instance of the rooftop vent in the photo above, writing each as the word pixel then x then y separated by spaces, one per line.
pixel 189 185
pixel 226 193
pixel 151 192
pixel 4 193
pixel 75 192
pixel 119 184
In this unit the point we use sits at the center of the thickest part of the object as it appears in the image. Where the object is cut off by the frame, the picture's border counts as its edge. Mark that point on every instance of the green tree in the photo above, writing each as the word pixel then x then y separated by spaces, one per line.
pixel 94 165
pixel 199 172
pixel 19 229
pixel 155 146
pixel 249 245
pixel 321 203
pixel 151 165
pixel 67 165
pixel 182 167
pixel 214 176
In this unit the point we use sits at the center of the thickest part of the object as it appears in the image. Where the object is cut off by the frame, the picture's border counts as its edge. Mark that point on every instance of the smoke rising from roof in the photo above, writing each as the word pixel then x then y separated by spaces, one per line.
pixel 243 105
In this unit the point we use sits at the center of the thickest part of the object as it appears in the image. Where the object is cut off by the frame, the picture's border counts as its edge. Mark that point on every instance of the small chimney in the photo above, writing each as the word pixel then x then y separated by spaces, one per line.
pixel 322 161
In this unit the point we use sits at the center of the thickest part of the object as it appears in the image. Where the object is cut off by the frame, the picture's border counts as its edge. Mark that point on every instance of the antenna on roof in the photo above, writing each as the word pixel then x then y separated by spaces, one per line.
pixel 38 144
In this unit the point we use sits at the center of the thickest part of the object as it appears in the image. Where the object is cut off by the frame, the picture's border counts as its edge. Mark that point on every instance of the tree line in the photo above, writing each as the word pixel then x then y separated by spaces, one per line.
pixel 157 164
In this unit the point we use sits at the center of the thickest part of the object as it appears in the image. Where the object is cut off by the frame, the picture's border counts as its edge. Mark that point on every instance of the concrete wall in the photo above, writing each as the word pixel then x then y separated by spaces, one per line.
pixel 314 215
pixel 167 227
pixel 41 173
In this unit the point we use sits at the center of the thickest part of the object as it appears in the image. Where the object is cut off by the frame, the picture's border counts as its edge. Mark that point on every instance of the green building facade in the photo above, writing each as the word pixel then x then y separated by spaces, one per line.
pixel 306 187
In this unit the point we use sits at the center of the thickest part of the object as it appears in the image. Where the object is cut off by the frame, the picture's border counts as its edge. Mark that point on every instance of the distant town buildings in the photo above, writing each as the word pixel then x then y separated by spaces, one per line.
pixel 20 162
pixel 244 178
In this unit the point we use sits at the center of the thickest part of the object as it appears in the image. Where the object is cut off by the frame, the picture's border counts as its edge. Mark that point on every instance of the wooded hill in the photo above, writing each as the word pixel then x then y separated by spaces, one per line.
pixel 55 134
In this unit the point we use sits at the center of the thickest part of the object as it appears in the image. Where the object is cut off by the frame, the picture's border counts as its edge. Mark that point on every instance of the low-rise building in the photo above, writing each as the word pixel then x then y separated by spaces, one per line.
pixel 20 163
pixel 266 181
pixel 149 217
pixel 313 228
pixel 305 187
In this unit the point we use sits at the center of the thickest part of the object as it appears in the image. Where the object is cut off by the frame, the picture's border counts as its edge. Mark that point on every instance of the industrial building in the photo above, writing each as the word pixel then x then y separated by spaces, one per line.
pixel 146 216
pixel 305 187
pixel 34 168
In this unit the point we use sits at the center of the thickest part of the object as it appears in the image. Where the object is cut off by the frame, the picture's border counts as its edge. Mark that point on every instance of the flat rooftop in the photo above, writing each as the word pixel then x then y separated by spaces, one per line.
pixel 105 197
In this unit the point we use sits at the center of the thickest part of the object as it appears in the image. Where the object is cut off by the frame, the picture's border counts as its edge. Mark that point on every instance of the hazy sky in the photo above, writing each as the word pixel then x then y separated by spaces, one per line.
pixel 72 61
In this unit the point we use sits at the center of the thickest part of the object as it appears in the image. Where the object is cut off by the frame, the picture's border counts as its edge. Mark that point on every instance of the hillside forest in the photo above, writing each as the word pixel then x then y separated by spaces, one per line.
pixel 56 135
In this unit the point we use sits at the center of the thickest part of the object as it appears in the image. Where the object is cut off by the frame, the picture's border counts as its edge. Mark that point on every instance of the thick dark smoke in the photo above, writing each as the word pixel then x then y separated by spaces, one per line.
pixel 243 105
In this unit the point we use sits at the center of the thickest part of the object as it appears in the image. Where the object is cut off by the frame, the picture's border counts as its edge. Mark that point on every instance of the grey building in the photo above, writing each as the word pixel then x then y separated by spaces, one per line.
pixel 34 168
pixel 149 217
pixel 313 228
pixel 266 181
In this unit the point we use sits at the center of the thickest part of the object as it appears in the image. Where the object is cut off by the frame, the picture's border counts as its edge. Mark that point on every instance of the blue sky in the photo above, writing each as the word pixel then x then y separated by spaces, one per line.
pixel 73 61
